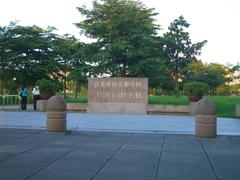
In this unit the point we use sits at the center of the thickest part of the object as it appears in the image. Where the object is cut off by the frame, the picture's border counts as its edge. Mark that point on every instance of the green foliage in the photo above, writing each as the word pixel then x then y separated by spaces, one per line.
pixel 47 85
pixel 235 89
pixel 154 69
pixel 211 74
pixel 210 78
pixel 196 67
pixel 68 51
pixel 125 36
pixel 196 88
pixel 79 74
pixel 28 53
pixel 81 99
pixel 179 50
pixel 126 43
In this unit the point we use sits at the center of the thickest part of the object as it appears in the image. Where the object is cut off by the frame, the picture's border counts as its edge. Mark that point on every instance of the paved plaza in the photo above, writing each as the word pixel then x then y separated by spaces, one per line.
pixel 116 147
pixel 38 155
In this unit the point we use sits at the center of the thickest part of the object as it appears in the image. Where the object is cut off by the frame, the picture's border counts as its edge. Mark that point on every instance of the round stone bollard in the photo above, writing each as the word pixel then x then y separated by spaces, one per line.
pixel 205 119
pixel 56 114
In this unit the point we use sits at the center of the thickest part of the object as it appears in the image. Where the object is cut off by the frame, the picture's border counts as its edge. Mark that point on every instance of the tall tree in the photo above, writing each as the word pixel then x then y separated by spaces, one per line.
pixel 32 56
pixel 179 50
pixel 125 36
pixel 65 48
pixel 4 55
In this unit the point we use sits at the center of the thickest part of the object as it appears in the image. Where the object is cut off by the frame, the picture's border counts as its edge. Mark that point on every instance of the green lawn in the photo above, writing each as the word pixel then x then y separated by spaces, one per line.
pixel 174 100
pixel 225 104
pixel 81 99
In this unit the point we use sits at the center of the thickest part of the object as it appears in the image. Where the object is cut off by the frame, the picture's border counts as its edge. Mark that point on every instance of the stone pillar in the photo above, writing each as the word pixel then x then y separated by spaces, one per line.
pixel 205 119
pixel 56 114
pixel 237 110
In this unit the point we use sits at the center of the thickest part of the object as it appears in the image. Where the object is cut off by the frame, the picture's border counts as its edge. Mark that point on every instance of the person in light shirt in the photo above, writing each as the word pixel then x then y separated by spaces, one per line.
pixel 36 96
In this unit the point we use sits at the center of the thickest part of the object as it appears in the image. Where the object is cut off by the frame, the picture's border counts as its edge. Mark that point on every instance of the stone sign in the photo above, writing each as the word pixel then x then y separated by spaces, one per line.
pixel 118 95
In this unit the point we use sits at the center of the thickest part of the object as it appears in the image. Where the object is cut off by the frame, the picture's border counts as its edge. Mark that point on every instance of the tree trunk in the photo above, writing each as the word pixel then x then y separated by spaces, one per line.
pixel 1 83
pixel 75 90
pixel 1 87
pixel 176 88
pixel 65 86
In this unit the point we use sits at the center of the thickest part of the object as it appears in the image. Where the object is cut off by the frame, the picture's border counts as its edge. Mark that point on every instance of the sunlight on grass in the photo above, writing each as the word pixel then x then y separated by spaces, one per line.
pixel 225 105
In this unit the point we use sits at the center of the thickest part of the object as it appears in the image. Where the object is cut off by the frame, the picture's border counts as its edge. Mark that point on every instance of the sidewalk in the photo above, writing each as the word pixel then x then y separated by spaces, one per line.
pixel 117 123
pixel 38 155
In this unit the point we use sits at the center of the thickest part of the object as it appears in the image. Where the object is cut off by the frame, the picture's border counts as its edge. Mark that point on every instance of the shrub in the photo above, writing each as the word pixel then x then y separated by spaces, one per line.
pixel 49 86
pixel 196 88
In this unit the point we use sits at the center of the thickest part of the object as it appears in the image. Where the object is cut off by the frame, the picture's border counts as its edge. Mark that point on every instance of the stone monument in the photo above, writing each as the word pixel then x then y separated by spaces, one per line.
pixel 117 95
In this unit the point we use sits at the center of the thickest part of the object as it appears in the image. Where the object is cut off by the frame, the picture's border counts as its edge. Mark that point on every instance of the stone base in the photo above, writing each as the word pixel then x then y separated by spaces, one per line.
pixel 42 105
pixel 117 108
pixel 56 121
pixel 206 126
pixel 76 107
pixel 237 110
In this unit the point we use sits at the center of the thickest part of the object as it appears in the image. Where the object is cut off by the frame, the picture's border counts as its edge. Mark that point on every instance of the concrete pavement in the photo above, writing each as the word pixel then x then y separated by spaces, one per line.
pixel 117 123
pixel 38 155
pixel 116 147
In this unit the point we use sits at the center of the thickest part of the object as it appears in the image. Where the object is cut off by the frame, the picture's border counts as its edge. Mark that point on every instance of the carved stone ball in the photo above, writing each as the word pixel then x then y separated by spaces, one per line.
pixel 205 107
pixel 56 103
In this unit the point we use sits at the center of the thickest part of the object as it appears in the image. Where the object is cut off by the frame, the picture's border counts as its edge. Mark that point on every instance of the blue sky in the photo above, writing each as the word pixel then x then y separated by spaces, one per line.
pixel 214 20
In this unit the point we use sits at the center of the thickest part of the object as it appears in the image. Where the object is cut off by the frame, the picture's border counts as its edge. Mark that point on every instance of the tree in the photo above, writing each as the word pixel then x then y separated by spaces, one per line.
pixel 195 67
pixel 67 49
pixel 179 50
pixel 212 74
pixel 29 54
pixel 79 76
pixel 211 78
pixel 125 36
pixel 3 56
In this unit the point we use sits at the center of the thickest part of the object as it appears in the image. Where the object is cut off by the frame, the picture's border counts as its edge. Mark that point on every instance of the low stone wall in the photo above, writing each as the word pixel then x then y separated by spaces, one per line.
pixel 237 110
pixel 76 107
pixel 151 109
pixel 168 109
pixel 42 105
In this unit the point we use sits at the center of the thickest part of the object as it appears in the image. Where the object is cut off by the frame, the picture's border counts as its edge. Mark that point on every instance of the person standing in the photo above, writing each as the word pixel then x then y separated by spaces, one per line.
pixel 24 94
pixel 36 96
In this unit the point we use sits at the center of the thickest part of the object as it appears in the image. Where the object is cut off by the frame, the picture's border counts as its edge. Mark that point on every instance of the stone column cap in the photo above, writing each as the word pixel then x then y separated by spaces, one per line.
pixel 56 103
pixel 205 107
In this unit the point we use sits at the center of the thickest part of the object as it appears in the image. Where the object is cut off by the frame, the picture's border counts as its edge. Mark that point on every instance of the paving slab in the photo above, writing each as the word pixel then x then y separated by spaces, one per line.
pixel 37 155
pixel 103 146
